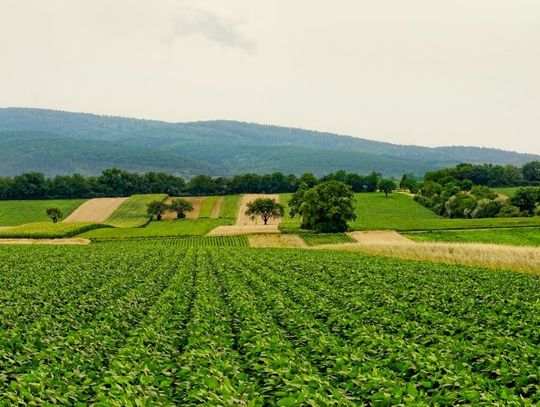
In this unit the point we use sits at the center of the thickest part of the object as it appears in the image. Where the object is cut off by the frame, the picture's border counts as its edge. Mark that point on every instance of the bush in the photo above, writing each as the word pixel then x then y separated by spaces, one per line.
pixel 509 211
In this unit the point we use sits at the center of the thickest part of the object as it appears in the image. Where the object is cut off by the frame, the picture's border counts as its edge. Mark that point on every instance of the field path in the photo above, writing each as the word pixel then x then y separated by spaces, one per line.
pixel 95 210
pixel 70 241
pixel 379 236
pixel 216 210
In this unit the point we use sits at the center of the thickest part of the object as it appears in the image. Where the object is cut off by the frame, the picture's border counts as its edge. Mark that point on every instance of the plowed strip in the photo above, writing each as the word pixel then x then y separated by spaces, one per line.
pixel 95 210
pixel 71 241
pixel 245 220
pixel 216 210
pixel 276 240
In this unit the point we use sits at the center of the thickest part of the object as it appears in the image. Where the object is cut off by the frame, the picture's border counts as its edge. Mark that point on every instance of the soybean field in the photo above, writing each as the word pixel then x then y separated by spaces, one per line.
pixel 145 324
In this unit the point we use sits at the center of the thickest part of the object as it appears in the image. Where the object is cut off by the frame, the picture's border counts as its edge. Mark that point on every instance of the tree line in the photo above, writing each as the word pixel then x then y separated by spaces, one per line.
pixel 115 182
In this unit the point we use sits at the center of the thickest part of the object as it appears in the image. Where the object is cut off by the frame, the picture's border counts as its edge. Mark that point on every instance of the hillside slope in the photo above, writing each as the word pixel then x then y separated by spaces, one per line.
pixel 56 142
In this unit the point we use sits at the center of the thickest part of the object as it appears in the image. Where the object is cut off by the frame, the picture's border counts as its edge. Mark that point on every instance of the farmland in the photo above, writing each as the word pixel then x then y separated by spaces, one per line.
pixel 132 213
pixel 517 237
pixel 14 213
pixel 48 230
pixel 315 239
pixel 138 323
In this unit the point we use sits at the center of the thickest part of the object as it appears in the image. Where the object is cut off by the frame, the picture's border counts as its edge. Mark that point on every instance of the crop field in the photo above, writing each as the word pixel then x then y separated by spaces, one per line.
pixel 186 241
pixel 115 324
pixel 207 206
pixel 229 208
pixel 48 230
pixel 183 227
pixel 509 191
pixel 132 213
pixel 13 213
pixel 315 239
pixel 516 237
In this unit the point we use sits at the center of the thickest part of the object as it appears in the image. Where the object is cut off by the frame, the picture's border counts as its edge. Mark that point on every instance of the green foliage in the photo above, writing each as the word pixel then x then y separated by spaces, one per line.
pixel 48 230
pixel 156 208
pixel 316 239
pixel 266 208
pixel 207 206
pixel 526 199
pixel 184 241
pixel 386 185
pixel 516 236
pixel 531 171
pixel 229 207
pixel 327 207
pixel 133 212
pixel 182 227
pixel 140 324
pixel 180 206
pixel 14 213
pixel 54 214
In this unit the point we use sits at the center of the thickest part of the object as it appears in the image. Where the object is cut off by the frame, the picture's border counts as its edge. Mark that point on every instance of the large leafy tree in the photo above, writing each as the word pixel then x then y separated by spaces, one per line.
pixel 156 208
pixel 525 199
pixel 266 208
pixel 531 171
pixel 327 207
pixel 181 206
pixel 386 186
pixel 54 214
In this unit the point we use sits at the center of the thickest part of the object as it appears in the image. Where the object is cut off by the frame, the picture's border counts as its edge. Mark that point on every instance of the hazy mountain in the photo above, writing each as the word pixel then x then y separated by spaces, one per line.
pixel 56 142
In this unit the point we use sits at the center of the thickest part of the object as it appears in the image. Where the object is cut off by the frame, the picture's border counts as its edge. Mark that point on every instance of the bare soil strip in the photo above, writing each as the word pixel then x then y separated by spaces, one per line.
pixel 216 210
pixel 379 236
pixel 196 201
pixel 276 240
pixel 245 220
pixel 95 210
pixel 244 230
pixel 5 227
pixel 71 241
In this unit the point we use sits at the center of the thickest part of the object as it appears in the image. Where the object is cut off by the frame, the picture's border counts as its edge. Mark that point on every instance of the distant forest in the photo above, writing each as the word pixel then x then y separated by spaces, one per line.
pixel 117 182
pixel 62 143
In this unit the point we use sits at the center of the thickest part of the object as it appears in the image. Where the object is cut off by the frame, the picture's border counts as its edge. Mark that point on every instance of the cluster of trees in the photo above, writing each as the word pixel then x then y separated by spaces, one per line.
pixel 488 175
pixel 326 207
pixel 465 200
pixel 180 206
pixel 116 182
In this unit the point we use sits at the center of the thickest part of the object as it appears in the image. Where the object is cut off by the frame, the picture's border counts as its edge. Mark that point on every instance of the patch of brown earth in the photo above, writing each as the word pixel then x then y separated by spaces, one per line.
pixel 245 220
pixel 276 240
pixel 196 202
pixel 71 241
pixel 216 210
pixel 95 210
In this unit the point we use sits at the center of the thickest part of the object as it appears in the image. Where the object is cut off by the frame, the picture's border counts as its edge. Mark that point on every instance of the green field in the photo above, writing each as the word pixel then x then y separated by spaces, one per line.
pixel 288 224
pixel 516 237
pixel 185 241
pixel 189 227
pixel 132 213
pixel 508 191
pixel 315 239
pixel 140 324
pixel 207 206
pixel 230 206
pixel 14 213
pixel 49 230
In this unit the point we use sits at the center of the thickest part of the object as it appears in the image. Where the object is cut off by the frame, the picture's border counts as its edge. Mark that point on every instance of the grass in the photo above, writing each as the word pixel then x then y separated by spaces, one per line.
pixel 229 208
pixel 288 224
pixel 13 213
pixel 507 191
pixel 48 230
pixel 132 213
pixel 315 239
pixel 515 237
pixel 207 206
pixel 183 227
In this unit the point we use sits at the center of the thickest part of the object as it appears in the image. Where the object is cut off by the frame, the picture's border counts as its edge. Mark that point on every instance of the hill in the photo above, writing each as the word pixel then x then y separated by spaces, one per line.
pixel 56 142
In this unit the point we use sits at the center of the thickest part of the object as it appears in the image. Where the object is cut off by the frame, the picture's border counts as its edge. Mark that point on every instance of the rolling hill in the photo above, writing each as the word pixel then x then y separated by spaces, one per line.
pixel 56 142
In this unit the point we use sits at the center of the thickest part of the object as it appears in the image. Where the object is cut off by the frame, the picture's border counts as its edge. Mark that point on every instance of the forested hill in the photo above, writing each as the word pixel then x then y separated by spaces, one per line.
pixel 55 142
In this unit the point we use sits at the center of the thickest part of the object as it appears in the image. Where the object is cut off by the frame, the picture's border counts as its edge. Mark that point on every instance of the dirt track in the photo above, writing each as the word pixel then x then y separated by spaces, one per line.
pixel 216 210
pixel 95 210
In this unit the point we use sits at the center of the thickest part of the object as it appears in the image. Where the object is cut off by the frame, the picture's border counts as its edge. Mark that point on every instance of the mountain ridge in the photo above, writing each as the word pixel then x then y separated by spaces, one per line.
pixel 214 147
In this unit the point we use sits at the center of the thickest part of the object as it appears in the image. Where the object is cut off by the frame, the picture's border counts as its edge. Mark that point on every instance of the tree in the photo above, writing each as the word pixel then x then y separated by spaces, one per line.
pixel 156 208
pixel 531 171
pixel 525 199
pixel 408 181
pixel 327 207
pixel 54 214
pixel 266 208
pixel 181 206
pixel 387 186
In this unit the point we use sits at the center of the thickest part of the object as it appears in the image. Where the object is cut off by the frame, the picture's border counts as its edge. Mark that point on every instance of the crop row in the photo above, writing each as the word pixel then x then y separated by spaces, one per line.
pixel 145 324
pixel 184 241
pixel 315 239
pixel 132 213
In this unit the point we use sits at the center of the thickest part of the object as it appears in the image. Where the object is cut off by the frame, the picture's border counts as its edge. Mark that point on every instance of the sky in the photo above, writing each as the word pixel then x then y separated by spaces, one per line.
pixel 427 72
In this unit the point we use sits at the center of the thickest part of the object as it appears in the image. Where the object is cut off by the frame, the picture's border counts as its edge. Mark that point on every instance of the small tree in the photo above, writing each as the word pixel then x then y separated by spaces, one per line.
pixel 181 206
pixel 266 208
pixel 387 186
pixel 156 208
pixel 54 214
pixel 525 200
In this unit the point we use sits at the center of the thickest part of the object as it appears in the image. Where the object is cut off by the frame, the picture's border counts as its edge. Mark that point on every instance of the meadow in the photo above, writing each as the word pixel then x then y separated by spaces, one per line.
pixel 516 237
pixel 48 230
pixel 13 213
pixel 132 213
pixel 507 191
pixel 144 324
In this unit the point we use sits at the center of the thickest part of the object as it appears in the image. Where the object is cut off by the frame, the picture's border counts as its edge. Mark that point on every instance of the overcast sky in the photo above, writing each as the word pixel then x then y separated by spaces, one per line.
pixel 429 72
